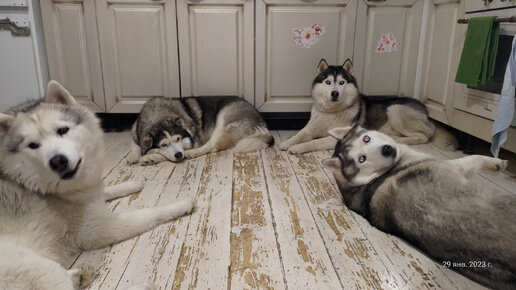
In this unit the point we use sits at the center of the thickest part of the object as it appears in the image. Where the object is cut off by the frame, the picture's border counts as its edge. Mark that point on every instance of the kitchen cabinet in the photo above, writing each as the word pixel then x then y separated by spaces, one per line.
pixel 138 46
pixel 386 46
pixel 216 47
pixel 288 49
pixel 441 59
pixel 72 46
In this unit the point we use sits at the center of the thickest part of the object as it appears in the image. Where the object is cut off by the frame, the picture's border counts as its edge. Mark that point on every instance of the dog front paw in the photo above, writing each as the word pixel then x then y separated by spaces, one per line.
pixel 296 149
pixel 147 160
pixel 283 146
pixel 132 158
pixel 190 154
pixel 187 205
pixel 498 165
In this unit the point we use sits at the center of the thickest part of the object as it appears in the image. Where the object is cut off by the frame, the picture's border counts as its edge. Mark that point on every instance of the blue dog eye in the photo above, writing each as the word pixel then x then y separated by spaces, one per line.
pixel 366 139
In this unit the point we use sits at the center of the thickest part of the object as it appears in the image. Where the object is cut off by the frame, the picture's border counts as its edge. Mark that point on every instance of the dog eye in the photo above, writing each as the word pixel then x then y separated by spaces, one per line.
pixel 342 82
pixel 63 130
pixel 33 145
pixel 362 159
pixel 328 82
pixel 366 139
pixel 164 145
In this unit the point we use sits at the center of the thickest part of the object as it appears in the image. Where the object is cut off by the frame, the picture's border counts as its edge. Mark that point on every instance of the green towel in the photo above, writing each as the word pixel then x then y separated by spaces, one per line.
pixel 477 61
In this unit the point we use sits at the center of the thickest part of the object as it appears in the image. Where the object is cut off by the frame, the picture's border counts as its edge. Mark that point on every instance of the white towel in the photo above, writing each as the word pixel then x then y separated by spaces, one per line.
pixel 506 107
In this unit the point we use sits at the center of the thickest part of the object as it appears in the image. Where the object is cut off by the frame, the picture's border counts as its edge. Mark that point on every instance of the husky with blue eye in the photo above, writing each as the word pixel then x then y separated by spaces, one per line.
pixel 337 103
pixel 52 195
pixel 177 128
pixel 440 206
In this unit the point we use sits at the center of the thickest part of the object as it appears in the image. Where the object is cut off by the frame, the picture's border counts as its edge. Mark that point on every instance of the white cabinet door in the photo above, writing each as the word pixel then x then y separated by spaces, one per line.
pixel 442 54
pixel 216 47
pixel 288 49
pixel 138 44
pixel 386 46
pixel 73 49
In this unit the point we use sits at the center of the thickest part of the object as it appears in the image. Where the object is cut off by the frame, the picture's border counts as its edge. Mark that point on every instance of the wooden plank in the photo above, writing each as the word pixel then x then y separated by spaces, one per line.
pixel 255 260
pixel 109 263
pixel 116 153
pixel 154 258
pixel 205 256
pixel 351 252
pixel 414 269
pixel 306 263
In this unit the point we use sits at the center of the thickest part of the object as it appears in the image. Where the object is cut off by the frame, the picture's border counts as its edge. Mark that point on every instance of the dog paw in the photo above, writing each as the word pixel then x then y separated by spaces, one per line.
pixel 134 186
pixel 190 154
pixel 132 158
pixel 283 146
pixel 499 165
pixel 188 205
pixel 296 149
pixel 80 279
pixel 147 160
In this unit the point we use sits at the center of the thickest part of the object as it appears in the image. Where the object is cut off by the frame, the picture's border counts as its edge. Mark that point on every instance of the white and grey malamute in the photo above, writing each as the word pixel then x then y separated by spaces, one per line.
pixel 337 103
pixel 52 195
pixel 439 206
pixel 168 126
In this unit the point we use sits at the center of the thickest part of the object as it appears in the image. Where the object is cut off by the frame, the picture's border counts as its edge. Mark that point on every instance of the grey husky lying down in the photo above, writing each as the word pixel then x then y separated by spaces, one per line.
pixel 166 127
pixel 52 196
pixel 438 206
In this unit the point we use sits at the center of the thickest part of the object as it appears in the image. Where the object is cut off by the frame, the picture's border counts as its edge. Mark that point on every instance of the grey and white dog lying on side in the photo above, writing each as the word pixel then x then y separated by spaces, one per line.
pixel 168 126
pixel 439 206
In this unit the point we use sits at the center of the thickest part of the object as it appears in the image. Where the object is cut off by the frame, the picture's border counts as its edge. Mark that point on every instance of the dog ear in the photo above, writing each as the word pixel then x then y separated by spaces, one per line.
pixel 179 122
pixel 323 65
pixel 348 66
pixel 146 142
pixel 5 123
pixel 57 94
pixel 339 132
pixel 332 164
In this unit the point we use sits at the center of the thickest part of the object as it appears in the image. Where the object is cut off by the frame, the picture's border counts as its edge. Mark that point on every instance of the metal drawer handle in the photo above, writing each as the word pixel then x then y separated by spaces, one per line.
pixel 7 24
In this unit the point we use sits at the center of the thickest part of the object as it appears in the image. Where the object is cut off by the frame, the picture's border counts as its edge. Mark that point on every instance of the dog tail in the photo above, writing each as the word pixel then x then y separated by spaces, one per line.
pixel 444 140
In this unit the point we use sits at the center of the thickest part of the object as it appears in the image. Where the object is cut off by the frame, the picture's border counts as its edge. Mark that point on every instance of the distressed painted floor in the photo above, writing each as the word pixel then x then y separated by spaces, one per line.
pixel 263 219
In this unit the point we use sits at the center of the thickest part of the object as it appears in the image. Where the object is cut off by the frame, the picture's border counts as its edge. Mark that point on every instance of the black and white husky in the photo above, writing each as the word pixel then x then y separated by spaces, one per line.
pixel 439 206
pixel 52 196
pixel 168 126
pixel 337 103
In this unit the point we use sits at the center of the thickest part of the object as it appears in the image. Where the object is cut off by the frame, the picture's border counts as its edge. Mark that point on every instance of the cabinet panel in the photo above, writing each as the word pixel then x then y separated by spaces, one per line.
pixel 441 58
pixel 288 50
pixel 72 49
pixel 216 49
pixel 139 50
pixel 382 67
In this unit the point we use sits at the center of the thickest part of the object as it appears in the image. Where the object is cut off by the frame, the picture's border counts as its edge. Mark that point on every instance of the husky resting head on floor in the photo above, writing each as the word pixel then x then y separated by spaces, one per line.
pixel 167 126
pixel 52 194
pixel 437 205
pixel 338 103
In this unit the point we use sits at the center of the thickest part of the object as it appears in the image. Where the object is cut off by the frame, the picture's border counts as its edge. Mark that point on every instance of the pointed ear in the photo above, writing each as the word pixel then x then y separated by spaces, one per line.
pixel 146 143
pixel 57 94
pixel 323 65
pixel 333 164
pixel 339 132
pixel 179 122
pixel 6 122
pixel 348 66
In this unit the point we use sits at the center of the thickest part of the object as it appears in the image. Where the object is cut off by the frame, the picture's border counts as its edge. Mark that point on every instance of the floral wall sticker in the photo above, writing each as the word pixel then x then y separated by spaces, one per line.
pixel 309 35
pixel 387 43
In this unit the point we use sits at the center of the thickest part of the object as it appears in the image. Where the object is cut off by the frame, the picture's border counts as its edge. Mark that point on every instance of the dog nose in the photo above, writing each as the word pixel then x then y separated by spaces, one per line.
pixel 59 163
pixel 387 151
pixel 178 155
pixel 334 95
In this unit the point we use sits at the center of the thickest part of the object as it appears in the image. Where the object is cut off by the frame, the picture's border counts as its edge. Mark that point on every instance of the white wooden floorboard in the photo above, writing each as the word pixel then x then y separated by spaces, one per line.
pixel 264 219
